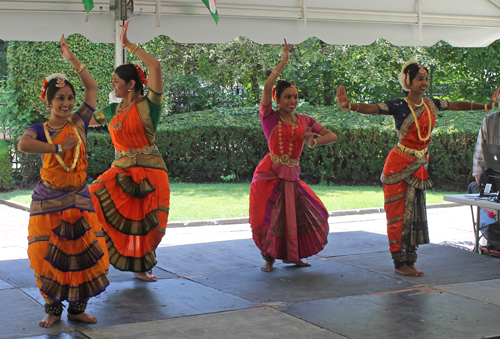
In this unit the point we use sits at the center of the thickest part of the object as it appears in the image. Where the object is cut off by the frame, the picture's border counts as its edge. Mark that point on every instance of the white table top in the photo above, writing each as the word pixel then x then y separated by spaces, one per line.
pixel 472 199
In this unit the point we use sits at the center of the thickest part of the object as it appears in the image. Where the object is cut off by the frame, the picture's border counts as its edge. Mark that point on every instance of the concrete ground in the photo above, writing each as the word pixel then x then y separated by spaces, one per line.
pixel 211 286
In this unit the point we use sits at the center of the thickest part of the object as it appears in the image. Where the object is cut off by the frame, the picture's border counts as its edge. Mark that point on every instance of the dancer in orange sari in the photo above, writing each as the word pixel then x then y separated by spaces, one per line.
pixel 288 220
pixel 405 176
pixel 132 198
pixel 66 246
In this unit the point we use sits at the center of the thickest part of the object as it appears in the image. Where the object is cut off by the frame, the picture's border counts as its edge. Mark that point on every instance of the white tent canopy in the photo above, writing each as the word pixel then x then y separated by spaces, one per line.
pixel 465 23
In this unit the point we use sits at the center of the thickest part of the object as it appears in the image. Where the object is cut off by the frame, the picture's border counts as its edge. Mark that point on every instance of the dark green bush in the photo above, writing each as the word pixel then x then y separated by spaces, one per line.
pixel 6 179
pixel 212 146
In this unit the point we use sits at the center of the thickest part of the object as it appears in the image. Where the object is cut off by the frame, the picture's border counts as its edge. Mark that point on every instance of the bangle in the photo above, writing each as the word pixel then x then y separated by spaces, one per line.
pixel 79 69
pixel 357 108
pixel 56 149
pixel 132 48
pixel 276 72
pixel 59 149
pixel 486 109
pixel 315 144
pixel 348 108
pixel 472 103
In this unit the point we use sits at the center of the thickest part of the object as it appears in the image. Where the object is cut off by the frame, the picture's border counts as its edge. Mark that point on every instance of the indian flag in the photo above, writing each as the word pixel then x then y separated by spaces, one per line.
pixel 213 10
pixel 88 4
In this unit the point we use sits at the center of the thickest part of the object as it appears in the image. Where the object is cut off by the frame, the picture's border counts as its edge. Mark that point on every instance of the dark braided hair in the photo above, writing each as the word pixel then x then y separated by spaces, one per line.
pixel 128 72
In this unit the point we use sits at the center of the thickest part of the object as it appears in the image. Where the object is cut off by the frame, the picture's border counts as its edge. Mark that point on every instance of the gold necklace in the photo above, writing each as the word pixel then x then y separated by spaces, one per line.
pixel 280 139
pixel 56 128
pixel 77 151
pixel 414 104
pixel 118 125
pixel 416 120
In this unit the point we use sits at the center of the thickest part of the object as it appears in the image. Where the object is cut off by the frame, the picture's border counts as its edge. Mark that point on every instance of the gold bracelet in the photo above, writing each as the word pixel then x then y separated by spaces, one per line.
pixel 59 150
pixel 132 48
pixel 277 73
pixel 357 108
pixel 348 108
pixel 315 144
pixel 472 103
pixel 80 68
pixel 486 109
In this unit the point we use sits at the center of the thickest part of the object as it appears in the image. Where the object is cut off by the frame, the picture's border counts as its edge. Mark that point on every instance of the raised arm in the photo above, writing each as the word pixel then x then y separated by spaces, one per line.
pixel 267 94
pixel 473 106
pixel 346 105
pixel 88 82
pixel 155 81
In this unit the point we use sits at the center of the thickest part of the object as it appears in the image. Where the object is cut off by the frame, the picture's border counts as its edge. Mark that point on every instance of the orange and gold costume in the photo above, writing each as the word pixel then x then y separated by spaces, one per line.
pixel 405 176
pixel 132 198
pixel 66 245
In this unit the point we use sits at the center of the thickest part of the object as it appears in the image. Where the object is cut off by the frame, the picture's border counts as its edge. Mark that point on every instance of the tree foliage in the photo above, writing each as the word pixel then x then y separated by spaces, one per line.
pixel 225 76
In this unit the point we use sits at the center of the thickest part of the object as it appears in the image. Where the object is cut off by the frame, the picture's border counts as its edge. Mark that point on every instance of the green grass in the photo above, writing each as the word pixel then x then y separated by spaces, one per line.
pixel 218 201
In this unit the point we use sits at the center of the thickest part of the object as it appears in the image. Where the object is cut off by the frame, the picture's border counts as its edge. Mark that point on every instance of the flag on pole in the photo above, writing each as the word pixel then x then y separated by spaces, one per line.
pixel 213 10
pixel 88 4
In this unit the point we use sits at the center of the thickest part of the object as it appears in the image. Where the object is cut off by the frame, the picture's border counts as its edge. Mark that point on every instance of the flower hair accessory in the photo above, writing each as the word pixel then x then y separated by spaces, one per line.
pixel 141 73
pixel 60 82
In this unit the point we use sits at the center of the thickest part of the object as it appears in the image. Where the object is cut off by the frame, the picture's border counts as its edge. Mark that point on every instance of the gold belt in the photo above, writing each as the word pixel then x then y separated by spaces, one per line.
pixel 284 159
pixel 415 152
pixel 132 152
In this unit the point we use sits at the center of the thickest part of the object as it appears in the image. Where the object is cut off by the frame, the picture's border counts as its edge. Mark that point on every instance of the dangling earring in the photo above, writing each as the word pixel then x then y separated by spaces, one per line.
pixel 278 106
pixel 129 90
pixel 408 79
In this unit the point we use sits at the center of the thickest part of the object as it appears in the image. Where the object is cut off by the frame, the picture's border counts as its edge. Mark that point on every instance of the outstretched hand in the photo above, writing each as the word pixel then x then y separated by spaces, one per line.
pixel 123 34
pixel 70 142
pixel 342 98
pixel 493 98
pixel 66 51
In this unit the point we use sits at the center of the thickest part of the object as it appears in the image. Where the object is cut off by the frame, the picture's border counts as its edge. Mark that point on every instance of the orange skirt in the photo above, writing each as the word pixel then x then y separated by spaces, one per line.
pixel 68 253
pixel 132 205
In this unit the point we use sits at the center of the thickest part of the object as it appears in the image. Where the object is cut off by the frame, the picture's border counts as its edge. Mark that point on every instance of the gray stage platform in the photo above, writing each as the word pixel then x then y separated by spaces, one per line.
pixel 216 290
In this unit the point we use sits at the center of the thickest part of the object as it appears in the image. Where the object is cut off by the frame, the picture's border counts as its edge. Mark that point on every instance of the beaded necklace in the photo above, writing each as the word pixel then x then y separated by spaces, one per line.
pixel 416 120
pixel 118 125
pixel 280 139
pixel 77 151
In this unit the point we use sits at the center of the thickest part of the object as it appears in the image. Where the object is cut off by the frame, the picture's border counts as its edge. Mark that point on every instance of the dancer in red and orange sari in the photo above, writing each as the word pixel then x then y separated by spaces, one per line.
pixel 405 176
pixel 288 220
pixel 66 246
pixel 132 198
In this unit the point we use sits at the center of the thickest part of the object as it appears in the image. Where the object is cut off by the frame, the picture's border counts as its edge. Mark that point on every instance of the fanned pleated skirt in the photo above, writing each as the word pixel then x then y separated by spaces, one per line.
pixel 132 205
pixel 68 253
pixel 287 218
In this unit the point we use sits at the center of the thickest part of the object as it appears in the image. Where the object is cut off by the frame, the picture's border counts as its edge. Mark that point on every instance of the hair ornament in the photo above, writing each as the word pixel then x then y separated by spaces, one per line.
pixel 274 93
pixel 60 82
pixel 141 73
pixel 404 78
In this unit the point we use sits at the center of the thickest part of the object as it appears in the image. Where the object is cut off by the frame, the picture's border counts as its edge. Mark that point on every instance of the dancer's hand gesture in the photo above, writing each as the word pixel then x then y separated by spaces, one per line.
pixel 493 99
pixel 342 98
pixel 286 51
pixel 123 34
pixel 66 52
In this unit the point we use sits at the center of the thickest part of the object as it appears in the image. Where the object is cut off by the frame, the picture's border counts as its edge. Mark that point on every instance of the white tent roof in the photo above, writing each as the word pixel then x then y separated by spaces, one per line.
pixel 465 23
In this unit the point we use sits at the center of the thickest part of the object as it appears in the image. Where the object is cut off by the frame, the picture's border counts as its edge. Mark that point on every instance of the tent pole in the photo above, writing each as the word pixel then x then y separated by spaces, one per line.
pixel 120 55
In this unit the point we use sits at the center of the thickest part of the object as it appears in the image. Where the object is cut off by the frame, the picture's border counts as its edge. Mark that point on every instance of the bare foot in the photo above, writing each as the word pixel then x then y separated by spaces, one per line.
pixel 49 320
pixel 146 276
pixel 86 318
pixel 419 272
pixel 268 266
pixel 406 271
pixel 298 263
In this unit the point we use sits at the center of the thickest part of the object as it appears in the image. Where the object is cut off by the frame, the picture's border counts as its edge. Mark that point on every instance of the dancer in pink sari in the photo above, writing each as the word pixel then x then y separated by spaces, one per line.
pixel 288 220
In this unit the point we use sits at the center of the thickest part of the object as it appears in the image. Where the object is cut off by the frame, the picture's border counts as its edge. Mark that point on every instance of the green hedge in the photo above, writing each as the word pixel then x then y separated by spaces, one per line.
pixel 6 175
pixel 215 146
